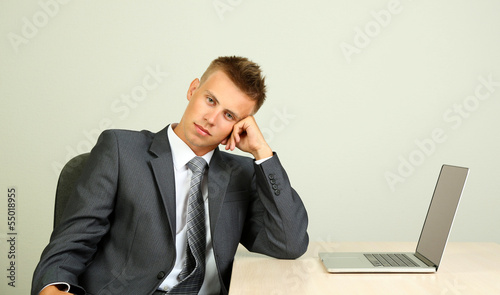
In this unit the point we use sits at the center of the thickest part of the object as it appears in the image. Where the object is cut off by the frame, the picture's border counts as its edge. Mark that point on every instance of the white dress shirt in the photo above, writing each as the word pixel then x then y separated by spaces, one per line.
pixel 181 155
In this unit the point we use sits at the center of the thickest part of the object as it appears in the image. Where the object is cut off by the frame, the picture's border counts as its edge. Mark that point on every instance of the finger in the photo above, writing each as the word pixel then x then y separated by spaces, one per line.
pixel 236 133
pixel 235 136
pixel 229 142
pixel 232 144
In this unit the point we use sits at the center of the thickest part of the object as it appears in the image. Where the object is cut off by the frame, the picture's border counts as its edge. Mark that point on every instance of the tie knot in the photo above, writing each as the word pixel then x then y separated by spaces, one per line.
pixel 197 164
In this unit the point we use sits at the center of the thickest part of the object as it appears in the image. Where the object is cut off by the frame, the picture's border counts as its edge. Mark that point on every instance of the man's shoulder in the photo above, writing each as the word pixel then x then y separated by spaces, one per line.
pixel 235 157
pixel 129 139
pixel 237 162
pixel 129 133
pixel 129 136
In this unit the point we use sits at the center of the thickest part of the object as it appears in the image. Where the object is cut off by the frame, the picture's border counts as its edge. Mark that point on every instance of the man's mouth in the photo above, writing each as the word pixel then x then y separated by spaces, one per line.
pixel 201 130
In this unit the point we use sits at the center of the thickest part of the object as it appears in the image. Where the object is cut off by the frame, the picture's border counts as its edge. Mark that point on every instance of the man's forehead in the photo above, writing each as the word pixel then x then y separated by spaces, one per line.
pixel 222 88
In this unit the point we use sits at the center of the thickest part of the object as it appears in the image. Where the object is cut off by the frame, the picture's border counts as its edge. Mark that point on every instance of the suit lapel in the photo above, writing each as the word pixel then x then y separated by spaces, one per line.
pixel 218 180
pixel 163 170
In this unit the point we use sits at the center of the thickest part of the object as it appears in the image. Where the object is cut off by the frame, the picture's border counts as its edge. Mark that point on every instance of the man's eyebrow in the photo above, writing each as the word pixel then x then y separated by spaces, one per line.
pixel 234 114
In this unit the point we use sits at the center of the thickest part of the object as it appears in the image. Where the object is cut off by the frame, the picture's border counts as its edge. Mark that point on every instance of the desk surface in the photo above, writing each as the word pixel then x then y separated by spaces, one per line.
pixel 466 268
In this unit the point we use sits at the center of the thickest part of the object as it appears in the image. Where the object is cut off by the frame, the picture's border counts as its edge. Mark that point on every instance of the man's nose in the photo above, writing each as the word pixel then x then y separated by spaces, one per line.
pixel 211 116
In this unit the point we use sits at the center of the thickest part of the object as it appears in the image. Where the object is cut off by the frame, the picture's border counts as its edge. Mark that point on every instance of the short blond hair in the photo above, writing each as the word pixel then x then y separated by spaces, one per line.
pixel 245 74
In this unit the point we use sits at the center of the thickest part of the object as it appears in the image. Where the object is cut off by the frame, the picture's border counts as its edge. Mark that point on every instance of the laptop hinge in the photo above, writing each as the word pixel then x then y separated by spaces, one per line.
pixel 425 260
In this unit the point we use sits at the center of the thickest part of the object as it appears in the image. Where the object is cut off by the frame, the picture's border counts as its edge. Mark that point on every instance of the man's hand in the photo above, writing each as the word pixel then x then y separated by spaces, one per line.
pixel 53 290
pixel 247 137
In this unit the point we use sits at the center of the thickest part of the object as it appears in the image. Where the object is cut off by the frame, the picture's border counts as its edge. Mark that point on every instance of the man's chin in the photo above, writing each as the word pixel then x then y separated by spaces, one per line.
pixel 198 145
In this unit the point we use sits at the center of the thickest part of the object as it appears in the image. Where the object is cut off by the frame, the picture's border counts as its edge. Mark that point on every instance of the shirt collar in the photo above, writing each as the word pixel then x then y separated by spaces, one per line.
pixel 181 152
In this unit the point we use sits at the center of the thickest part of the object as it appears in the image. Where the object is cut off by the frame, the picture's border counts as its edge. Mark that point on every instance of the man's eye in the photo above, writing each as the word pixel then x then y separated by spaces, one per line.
pixel 210 100
pixel 229 116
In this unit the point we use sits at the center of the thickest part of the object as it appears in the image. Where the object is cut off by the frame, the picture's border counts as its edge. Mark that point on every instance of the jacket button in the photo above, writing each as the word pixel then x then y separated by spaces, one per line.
pixel 271 176
pixel 160 275
pixel 277 192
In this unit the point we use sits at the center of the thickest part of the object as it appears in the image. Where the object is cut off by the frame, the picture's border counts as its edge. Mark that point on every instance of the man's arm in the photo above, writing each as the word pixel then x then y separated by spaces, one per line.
pixel 277 220
pixel 85 220
pixel 55 290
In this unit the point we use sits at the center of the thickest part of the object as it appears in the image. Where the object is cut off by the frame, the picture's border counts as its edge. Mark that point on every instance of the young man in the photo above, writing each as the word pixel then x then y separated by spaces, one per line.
pixel 125 229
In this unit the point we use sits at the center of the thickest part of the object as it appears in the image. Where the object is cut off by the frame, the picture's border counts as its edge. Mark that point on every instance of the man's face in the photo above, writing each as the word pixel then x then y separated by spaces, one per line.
pixel 213 109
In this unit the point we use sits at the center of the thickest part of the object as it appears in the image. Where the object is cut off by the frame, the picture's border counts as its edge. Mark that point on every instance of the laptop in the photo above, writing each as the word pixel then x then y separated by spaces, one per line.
pixel 432 241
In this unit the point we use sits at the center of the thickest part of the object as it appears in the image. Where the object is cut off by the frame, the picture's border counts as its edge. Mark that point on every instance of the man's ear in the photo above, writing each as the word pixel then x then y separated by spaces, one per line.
pixel 192 88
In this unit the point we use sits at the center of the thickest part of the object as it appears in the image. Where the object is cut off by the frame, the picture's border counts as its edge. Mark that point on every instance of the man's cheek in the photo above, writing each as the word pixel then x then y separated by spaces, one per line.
pixel 228 128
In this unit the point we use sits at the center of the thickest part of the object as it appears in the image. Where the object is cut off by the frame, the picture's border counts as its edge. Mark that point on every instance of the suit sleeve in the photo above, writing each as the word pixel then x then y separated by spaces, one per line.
pixel 85 220
pixel 277 221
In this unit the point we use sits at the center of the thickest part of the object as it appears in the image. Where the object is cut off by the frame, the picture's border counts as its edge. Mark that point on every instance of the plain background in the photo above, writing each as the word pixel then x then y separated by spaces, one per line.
pixel 366 101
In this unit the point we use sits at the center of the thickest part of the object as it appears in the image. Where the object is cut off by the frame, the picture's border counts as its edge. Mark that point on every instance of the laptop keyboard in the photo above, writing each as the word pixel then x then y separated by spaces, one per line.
pixel 390 260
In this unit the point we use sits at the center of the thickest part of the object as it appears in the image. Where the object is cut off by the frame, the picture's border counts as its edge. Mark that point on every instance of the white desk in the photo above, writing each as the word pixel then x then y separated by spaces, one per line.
pixel 466 268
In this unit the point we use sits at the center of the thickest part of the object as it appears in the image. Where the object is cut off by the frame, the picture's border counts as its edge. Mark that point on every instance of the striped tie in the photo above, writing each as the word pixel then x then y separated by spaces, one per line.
pixel 192 274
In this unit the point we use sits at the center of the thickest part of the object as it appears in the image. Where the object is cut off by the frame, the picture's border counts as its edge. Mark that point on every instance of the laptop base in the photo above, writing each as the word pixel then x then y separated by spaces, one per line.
pixel 356 262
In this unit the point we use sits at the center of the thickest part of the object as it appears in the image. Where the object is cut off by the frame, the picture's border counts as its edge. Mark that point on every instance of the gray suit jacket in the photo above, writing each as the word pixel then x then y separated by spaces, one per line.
pixel 117 235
